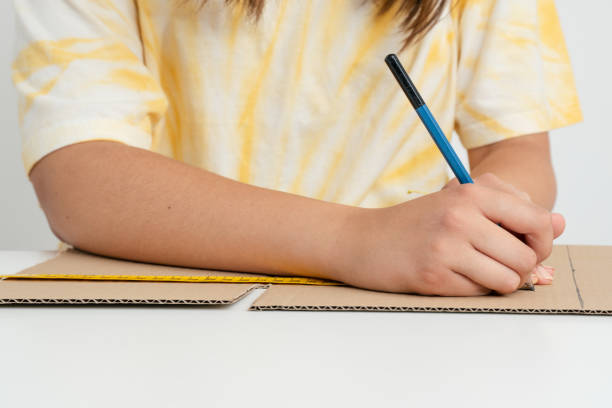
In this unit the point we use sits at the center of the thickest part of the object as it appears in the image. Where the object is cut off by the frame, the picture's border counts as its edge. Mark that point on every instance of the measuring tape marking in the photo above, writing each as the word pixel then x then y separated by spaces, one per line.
pixel 179 278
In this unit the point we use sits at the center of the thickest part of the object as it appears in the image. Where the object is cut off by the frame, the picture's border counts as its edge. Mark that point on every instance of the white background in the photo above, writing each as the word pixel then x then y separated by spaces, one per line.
pixel 218 356
pixel 580 153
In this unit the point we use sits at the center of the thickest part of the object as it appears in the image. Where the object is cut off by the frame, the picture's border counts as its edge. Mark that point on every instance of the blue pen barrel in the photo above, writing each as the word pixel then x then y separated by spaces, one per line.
pixel 427 118
pixel 444 145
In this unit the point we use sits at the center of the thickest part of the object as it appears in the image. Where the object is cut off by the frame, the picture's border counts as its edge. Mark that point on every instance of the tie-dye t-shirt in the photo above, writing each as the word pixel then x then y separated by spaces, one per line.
pixel 299 100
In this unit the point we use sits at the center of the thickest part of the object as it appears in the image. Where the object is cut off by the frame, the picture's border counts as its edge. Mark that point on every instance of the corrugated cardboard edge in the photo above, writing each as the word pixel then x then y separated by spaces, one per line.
pixel 55 292
pixel 89 293
pixel 582 289
pixel 93 300
pixel 425 309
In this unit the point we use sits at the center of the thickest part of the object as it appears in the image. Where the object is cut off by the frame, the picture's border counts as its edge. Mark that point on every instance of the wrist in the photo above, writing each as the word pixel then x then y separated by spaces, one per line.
pixel 346 242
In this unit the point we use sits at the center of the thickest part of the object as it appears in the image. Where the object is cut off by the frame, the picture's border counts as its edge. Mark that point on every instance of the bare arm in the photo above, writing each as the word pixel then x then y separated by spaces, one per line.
pixel 124 202
pixel 120 201
pixel 523 162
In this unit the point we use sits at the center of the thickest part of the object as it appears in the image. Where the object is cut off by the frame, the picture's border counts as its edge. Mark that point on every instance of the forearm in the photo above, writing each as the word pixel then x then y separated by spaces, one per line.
pixel 119 201
pixel 523 163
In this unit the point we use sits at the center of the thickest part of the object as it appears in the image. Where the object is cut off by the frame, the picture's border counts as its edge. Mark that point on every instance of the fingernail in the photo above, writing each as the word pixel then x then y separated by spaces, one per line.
pixel 545 273
pixel 534 278
pixel 550 269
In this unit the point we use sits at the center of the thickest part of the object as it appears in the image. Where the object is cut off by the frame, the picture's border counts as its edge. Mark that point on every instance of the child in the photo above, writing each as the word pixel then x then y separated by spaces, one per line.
pixel 269 136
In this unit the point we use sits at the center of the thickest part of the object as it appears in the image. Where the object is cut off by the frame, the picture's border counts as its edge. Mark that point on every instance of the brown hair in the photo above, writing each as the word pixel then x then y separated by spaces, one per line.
pixel 417 16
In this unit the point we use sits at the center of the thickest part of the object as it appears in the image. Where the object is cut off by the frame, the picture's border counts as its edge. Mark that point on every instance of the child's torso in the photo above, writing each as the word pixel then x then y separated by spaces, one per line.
pixel 301 100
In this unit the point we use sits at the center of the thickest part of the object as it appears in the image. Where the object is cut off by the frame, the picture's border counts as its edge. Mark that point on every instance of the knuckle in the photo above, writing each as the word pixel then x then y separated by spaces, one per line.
pixel 452 219
pixel 525 196
pixel 519 193
pixel 489 177
pixel 437 246
pixel 432 279
pixel 544 218
pixel 467 191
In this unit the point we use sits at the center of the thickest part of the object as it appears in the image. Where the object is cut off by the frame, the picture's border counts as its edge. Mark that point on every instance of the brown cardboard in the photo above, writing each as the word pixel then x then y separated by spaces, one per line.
pixel 583 285
pixel 108 292
pixel 73 262
pixel 592 269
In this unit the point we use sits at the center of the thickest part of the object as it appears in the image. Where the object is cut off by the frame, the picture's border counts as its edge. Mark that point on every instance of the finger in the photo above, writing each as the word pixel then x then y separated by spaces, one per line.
pixel 503 246
pixel 456 284
pixel 549 269
pixel 492 181
pixel 519 216
pixel 544 277
pixel 558 223
pixel 487 272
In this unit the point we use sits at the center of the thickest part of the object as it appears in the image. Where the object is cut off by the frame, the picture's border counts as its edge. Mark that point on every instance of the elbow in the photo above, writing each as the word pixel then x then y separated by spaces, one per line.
pixel 55 202
pixel 62 183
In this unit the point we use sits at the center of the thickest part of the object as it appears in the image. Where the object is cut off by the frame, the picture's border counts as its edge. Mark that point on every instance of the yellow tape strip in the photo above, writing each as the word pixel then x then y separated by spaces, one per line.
pixel 287 280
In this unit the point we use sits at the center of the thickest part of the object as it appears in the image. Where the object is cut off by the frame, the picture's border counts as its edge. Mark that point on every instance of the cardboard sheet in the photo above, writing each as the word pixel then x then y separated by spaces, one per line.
pixel 73 262
pixel 583 285
pixel 104 292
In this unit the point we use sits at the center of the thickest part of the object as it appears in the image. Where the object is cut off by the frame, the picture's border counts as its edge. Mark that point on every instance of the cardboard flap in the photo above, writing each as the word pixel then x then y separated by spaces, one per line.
pixel 595 284
pixel 74 262
pixel 109 292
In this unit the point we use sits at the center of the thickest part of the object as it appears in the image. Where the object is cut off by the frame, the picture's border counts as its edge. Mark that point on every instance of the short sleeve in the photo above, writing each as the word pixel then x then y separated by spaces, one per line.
pixel 513 75
pixel 80 76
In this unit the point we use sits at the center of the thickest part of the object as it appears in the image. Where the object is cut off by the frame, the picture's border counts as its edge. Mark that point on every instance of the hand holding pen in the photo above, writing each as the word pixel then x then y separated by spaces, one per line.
pixel 470 254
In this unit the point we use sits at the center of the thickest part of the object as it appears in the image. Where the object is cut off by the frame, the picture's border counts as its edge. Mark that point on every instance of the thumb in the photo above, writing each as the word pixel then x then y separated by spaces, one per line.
pixel 558 224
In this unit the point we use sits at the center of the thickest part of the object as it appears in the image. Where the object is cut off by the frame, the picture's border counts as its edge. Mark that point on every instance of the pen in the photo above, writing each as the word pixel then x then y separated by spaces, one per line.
pixel 432 126
pixel 428 120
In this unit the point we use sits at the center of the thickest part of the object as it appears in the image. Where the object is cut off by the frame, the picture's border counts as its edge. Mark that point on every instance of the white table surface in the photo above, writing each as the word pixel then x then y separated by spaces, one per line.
pixel 90 356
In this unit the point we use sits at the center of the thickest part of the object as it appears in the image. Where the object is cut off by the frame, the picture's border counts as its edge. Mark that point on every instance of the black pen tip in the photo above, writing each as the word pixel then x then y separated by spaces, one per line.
pixel 390 58
pixel 404 81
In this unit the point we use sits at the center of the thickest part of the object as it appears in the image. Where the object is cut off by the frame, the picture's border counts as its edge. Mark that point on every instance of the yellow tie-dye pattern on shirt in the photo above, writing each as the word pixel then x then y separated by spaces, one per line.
pixel 247 118
pixel 300 100
pixel 61 53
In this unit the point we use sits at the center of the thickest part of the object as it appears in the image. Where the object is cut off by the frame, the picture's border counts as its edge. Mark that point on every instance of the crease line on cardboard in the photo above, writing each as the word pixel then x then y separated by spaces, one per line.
pixel 569 257
pixel 251 289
